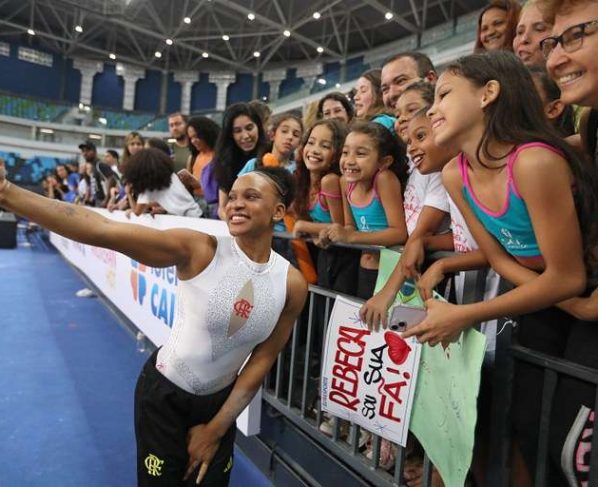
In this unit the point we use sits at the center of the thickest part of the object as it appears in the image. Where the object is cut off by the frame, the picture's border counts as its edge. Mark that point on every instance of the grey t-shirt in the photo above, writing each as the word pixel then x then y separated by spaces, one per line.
pixel 181 156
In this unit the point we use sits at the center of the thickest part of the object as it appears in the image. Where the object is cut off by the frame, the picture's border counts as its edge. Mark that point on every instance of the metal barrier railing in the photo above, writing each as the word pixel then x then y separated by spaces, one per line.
pixel 292 389
pixel 553 369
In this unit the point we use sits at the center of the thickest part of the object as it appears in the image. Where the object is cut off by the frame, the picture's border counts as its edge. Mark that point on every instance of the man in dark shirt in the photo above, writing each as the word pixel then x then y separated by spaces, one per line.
pixel 102 174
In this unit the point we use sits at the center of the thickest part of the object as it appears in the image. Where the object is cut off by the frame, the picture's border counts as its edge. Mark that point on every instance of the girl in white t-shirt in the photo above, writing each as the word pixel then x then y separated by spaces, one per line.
pixel 150 173
pixel 425 204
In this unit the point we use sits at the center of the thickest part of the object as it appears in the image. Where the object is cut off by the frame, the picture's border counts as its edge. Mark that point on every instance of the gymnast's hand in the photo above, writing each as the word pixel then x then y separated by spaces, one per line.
pixel 202 445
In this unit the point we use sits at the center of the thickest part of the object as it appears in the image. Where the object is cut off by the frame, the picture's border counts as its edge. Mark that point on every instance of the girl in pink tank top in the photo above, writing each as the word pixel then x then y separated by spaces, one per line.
pixel 513 165
pixel 531 207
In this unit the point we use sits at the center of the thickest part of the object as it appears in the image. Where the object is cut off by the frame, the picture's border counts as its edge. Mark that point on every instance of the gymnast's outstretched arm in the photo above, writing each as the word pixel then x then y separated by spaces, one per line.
pixel 189 250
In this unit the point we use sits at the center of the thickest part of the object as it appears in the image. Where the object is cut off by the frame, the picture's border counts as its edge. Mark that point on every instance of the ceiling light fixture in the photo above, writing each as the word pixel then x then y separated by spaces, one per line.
pixel 169 42
pixel 388 15
pixel 205 55
pixel 31 32
pixel 257 53
pixel 286 33
pixel 251 16
pixel 158 54
pixel 112 56
pixel 320 49
pixel 225 37
pixel 316 15
pixel 78 29
pixel 187 20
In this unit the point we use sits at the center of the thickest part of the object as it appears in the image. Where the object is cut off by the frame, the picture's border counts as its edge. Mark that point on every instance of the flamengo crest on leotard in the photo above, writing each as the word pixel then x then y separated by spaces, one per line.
pixel 222 314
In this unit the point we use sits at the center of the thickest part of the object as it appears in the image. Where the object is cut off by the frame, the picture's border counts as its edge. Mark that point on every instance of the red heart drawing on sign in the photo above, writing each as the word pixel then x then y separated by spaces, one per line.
pixel 398 350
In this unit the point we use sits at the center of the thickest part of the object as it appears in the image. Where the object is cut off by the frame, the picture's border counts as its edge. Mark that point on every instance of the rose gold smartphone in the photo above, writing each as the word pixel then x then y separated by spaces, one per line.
pixel 401 317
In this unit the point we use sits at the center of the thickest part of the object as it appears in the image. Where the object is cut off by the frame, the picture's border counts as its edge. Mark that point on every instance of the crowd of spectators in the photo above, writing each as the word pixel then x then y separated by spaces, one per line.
pixel 494 159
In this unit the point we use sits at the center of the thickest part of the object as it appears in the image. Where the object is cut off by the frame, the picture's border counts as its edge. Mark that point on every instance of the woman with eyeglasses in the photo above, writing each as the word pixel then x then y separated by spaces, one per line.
pixel 571 55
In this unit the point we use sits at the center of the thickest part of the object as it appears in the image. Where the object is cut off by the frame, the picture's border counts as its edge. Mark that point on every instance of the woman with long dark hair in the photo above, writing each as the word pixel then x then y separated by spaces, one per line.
pixel 241 139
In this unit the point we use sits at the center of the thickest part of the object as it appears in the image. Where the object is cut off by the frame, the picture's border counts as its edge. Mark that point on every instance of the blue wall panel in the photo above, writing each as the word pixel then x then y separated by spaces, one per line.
pixel 26 78
pixel 203 94
pixel 240 90
pixel 291 84
pixel 72 81
pixel 332 74
pixel 174 95
pixel 263 89
pixel 108 88
pixel 62 81
pixel 147 94
pixel 355 67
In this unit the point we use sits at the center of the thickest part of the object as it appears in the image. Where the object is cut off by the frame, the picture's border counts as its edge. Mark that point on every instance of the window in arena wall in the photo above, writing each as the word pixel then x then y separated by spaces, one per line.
pixel 4 49
pixel 36 57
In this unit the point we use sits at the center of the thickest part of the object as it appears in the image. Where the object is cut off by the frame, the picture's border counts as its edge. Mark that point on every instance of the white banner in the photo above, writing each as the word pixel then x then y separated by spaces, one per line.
pixel 368 378
pixel 145 295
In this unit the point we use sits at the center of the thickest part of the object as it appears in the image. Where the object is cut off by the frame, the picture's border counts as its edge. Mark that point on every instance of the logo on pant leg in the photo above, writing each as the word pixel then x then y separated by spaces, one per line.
pixel 153 465
pixel 229 465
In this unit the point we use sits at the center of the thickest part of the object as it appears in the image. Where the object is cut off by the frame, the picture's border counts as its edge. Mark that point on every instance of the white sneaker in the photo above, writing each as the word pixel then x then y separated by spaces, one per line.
pixel 364 437
pixel 85 293
pixel 327 426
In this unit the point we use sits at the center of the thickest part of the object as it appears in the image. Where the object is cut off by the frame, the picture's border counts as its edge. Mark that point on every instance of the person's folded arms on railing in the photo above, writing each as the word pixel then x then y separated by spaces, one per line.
pixel 582 308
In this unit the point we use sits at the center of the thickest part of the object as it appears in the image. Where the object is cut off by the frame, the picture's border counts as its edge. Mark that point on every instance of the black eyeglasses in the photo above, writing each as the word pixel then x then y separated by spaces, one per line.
pixel 571 40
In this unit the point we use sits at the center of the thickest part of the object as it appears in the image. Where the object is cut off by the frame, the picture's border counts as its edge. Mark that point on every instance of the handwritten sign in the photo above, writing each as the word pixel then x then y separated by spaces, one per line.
pixel 445 403
pixel 368 378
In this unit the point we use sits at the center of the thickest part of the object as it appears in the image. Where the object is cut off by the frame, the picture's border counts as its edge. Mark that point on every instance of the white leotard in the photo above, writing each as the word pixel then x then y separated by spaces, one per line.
pixel 222 314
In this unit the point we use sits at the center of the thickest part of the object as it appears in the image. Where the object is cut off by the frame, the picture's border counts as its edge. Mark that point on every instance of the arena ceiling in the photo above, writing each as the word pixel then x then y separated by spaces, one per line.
pixel 239 35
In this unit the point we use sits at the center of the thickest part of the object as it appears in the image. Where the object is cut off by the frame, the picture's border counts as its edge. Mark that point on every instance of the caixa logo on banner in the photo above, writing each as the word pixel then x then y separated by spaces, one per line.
pixel 155 288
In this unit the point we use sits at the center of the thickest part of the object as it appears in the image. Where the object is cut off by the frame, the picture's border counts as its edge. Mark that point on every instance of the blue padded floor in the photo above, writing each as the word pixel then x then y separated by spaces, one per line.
pixel 67 375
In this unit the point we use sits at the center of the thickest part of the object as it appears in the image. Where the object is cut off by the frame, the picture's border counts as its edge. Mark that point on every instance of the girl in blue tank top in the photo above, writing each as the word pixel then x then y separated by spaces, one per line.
pixel 516 184
pixel 374 170
pixel 318 202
